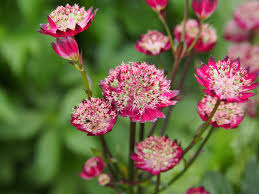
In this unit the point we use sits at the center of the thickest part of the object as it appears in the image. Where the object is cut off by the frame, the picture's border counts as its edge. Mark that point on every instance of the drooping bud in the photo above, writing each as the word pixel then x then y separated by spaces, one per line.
pixel 92 168
pixel 204 8
pixel 157 5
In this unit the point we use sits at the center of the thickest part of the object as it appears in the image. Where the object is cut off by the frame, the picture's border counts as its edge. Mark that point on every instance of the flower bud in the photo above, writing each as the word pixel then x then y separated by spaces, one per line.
pixel 157 5
pixel 92 168
pixel 204 8
pixel 104 179
pixel 197 190
pixel 67 48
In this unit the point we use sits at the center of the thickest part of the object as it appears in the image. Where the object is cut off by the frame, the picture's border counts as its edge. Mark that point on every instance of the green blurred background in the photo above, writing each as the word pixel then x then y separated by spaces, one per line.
pixel 42 153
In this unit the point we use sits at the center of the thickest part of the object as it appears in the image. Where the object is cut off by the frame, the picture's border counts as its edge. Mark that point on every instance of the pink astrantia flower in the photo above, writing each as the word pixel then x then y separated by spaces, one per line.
pixel 157 5
pixel 204 8
pixel 94 116
pixel 92 168
pixel 226 80
pixel 153 43
pixel 67 48
pixel 139 91
pixel 197 190
pixel 207 40
pixel 234 33
pixel 157 154
pixel 104 179
pixel 68 21
pixel 228 115
pixel 247 15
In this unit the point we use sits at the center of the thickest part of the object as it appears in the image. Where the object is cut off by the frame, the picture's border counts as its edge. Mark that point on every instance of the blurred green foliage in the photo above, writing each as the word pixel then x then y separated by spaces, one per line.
pixel 42 153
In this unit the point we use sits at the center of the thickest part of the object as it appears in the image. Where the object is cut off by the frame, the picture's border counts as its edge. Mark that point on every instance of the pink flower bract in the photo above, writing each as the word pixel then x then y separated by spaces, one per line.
pixel 94 116
pixel 207 40
pixel 139 91
pixel 153 43
pixel 157 154
pixel 204 8
pixel 157 5
pixel 226 80
pixel 228 115
pixel 68 21
pixel 92 168
pixel 197 190
pixel 247 15
pixel 234 33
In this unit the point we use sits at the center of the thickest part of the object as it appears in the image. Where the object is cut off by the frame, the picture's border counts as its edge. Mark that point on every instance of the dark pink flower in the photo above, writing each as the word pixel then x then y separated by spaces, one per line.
pixel 228 115
pixel 67 48
pixel 157 5
pixel 197 190
pixel 157 154
pixel 104 179
pixel 247 16
pixel 207 40
pixel 68 21
pixel 94 116
pixel 204 8
pixel 138 91
pixel 226 80
pixel 92 168
pixel 153 43
pixel 234 33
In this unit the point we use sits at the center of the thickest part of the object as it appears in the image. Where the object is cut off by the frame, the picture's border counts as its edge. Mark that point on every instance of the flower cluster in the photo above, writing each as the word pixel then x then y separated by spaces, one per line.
pixel 94 116
pixel 153 43
pixel 139 91
pixel 68 21
pixel 92 168
pixel 157 154
pixel 228 115
pixel 197 190
pixel 226 80
pixel 207 39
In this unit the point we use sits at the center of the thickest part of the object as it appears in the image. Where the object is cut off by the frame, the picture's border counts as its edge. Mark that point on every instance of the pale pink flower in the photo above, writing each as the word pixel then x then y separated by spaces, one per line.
pixel 157 5
pixel 92 168
pixel 153 43
pixel 228 115
pixel 138 91
pixel 226 80
pixel 204 8
pixel 94 116
pixel 247 15
pixel 157 154
pixel 104 179
pixel 234 33
pixel 68 21
pixel 197 190
pixel 207 40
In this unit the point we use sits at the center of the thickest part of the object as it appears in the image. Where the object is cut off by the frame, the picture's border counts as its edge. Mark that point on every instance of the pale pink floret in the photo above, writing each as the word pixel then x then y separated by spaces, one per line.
pixel 234 33
pixel 92 168
pixel 197 190
pixel 226 80
pixel 94 116
pixel 207 40
pixel 204 8
pixel 157 5
pixel 67 48
pixel 68 21
pixel 157 154
pixel 228 115
pixel 153 43
pixel 139 91
pixel 247 15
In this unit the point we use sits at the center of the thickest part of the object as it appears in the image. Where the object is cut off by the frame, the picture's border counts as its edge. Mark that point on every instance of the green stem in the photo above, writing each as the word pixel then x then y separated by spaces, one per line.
pixel 141 131
pixel 157 183
pixel 131 151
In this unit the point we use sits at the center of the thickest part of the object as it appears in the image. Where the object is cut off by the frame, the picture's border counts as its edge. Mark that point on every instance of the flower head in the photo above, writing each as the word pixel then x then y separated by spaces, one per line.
pixel 139 91
pixel 247 15
pixel 68 21
pixel 207 40
pixel 104 179
pixel 157 5
pixel 67 48
pixel 234 33
pixel 226 80
pixel 157 154
pixel 204 8
pixel 92 168
pixel 94 116
pixel 197 190
pixel 153 43
pixel 228 115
